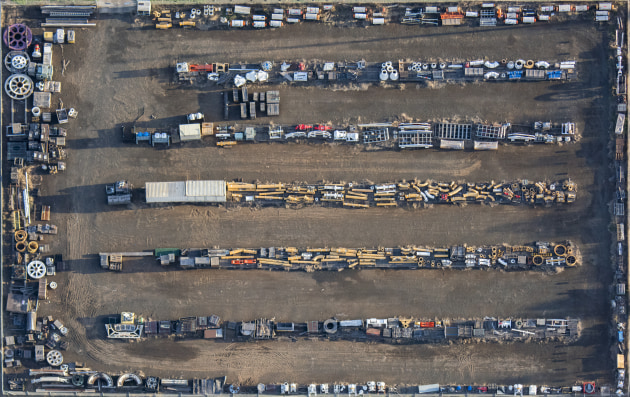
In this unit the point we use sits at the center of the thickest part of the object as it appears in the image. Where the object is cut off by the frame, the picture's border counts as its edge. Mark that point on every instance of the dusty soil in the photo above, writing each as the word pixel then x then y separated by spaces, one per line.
pixel 117 69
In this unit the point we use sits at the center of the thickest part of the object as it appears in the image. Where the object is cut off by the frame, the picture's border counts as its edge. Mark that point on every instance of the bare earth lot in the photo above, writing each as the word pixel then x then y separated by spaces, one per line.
pixel 118 68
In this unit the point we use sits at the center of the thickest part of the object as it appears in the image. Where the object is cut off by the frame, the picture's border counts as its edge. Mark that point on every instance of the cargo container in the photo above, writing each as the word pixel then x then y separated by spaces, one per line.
pixel 259 18
pixel 275 24
pixel 605 6
pixel 293 20
pixel 311 17
pixel 259 24
pixel 564 8
pixel 472 14
pixel 360 16
pixel 312 10
pixel 378 21
pixel 295 11
pixel 277 17
pixel 433 10
pixel 529 19
pixel 242 10
pixel 359 9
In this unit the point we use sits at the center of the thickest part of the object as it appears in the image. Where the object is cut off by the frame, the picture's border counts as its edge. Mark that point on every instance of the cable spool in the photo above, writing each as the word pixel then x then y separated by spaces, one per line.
pixel 425 66
pixel 52 285
pixel 20 246
pixel 571 260
pixel 383 65
pixel 388 64
pixel 433 65
pixel 537 260
pixel 393 75
pixel 384 75
pixel 36 111
pixel 504 61
pixel 510 65
pixel 569 251
pixel 442 65
pixel 519 324
pixel 33 247
pixel 560 250
pixel 421 261
pixel 21 235
pixel 330 326
pixel 529 64
pixel 519 64
pixel 390 68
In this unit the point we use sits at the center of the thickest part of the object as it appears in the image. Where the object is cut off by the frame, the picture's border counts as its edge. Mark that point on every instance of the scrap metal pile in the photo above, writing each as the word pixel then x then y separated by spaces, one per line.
pixel 400 71
pixel 486 14
pixel 38 137
pixel 389 135
pixel 386 330
pixel 539 255
pixel 402 194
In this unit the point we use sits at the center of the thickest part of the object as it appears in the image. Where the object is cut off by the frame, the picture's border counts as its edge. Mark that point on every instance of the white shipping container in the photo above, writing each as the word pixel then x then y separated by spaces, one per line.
pixel 311 17
pixel 487 5
pixel 278 11
pixel 277 17
pixel 360 16
pixel 452 9
pixel 242 10
pixel 472 14
pixel 581 8
pixel 259 18
pixel 359 9
pixel 378 21
pixel 543 17
pixel 564 8
pixel 259 24
pixel 511 21
pixel 529 19
pixel 275 24
pixel 295 11
pixel 546 8
pixel 292 20
pixel 514 9
pixel 328 7
pixel 511 15
pixel 605 6
pixel 312 10
pixel 238 23
pixel 602 18
pixel 431 9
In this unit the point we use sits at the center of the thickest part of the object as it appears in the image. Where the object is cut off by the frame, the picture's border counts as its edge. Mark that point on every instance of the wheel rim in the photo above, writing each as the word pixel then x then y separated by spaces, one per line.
pixel 36 269
pixel 19 86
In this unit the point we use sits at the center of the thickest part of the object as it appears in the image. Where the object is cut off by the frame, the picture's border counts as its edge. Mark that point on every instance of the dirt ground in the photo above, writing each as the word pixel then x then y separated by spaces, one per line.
pixel 117 69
